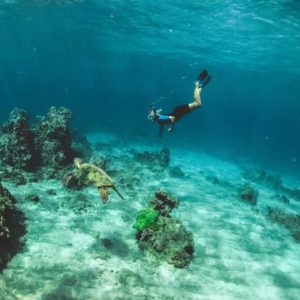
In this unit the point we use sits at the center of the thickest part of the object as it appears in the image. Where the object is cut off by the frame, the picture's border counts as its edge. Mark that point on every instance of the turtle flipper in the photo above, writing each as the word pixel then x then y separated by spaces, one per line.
pixel 120 195
pixel 103 194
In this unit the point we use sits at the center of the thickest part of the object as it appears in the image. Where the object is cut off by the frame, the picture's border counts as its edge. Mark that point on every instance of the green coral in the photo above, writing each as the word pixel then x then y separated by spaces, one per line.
pixel 161 235
pixel 146 218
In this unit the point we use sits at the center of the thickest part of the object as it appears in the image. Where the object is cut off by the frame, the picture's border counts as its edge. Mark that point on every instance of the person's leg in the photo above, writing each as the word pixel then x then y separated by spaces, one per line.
pixel 197 98
pixel 182 110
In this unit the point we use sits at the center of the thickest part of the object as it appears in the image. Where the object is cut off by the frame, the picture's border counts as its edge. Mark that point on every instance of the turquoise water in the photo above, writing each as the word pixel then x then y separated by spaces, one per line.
pixel 108 61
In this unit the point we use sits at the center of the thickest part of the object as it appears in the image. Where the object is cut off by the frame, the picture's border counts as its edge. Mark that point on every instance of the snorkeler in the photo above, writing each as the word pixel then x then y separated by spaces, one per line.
pixel 169 119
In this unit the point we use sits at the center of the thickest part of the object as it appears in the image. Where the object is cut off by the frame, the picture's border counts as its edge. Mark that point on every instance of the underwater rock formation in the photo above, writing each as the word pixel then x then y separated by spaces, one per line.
pixel 289 221
pixel 53 140
pixel 163 203
pixel 81 147
pixel 11 227
pixel 273 181
pixel 50 145
pixel 156 161
pixel 262 176
pixel 17 142
pixel 13 175
pixel 158 233
pixel 71 181
pixel 248 194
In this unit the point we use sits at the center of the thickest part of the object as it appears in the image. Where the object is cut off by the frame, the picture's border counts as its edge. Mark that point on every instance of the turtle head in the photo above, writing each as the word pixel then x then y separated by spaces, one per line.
pixel 78 162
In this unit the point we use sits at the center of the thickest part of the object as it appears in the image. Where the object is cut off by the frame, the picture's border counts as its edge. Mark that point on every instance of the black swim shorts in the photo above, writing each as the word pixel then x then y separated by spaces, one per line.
pixel 180 111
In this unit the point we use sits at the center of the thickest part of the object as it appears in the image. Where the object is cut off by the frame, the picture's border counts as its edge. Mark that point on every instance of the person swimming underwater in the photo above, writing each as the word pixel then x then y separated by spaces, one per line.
pixel 169 119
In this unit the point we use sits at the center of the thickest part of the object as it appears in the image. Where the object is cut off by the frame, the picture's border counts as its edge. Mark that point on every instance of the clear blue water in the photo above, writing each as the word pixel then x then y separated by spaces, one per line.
pixel 108 60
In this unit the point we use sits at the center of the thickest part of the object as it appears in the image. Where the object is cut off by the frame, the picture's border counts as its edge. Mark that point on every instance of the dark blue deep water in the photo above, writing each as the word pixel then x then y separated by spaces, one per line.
pixel 108 60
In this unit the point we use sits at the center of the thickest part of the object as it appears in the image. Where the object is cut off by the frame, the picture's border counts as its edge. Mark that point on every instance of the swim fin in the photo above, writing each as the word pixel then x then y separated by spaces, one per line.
pixel 202 75
pixel 205 81
pixel 204 78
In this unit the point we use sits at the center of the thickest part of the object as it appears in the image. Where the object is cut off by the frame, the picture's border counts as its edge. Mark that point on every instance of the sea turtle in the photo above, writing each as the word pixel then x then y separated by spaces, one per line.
pixel 90 174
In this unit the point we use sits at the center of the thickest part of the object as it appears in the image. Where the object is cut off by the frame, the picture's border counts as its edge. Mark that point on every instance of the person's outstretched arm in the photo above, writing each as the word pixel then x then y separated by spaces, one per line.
pixel 171 128
pixel 161 129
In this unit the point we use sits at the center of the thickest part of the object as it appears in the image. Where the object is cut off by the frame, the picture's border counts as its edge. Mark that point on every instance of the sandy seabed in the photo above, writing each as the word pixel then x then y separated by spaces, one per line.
pixel 78 248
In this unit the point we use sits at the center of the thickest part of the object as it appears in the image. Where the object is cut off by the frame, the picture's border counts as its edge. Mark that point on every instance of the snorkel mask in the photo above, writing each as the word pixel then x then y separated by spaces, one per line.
pixel 152 115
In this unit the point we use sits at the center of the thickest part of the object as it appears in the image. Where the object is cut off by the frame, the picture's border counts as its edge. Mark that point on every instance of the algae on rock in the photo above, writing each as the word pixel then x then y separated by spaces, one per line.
pixel 158 233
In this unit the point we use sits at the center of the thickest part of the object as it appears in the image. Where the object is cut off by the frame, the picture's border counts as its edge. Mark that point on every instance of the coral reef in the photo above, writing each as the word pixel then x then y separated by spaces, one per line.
pixel 13 175
pixel 156 161
pixel 80 145
pixel 158 233
pixel 17 142
pixel 53 140
pixel 43 150
pixel 11 227
pixel 163 203
pixel 71 181
pixel 289 221
pixel 273 181
pixel 262 176
pixel 248 194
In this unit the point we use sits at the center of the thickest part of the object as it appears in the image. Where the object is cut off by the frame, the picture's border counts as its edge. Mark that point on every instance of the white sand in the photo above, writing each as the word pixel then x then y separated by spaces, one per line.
pixel 240 254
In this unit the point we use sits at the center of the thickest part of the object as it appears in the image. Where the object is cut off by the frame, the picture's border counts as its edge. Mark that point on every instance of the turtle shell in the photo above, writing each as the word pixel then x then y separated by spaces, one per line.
pixel 89 174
